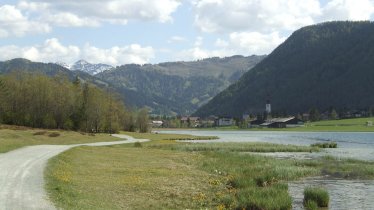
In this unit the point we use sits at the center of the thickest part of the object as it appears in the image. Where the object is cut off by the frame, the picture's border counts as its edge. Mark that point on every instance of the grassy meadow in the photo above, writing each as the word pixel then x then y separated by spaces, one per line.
pixel 14 137
pixel 164 174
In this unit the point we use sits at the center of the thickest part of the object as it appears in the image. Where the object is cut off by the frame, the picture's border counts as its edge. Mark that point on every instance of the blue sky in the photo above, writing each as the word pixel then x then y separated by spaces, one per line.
pixel 118 32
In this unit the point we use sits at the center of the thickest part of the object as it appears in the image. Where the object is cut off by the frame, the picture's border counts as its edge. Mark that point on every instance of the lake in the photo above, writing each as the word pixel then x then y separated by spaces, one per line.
pixel 344 194
pixel 357 145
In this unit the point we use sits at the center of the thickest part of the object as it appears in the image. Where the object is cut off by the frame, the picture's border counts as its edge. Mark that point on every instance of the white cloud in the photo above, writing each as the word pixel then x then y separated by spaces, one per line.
pixel 118 55
pixel 52 50
pixel 254 15
pixel 197 51
pixel 40 16
pixel 65 19
pixel 176 39
pixel 266 16
pixel 238 43
pixel 348 10
pixel 14 23
pixel 72 13
pixel 254 43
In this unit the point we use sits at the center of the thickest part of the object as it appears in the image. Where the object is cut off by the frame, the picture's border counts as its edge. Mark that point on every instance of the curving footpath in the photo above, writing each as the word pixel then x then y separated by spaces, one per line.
pixel 22 178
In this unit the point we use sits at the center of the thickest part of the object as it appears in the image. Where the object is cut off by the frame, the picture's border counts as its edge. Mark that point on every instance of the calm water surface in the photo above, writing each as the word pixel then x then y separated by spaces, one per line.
pixel 358 145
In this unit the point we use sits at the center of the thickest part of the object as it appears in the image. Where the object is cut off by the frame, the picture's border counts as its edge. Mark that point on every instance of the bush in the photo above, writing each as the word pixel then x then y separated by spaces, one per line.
pixel 137 144
pixel 319 195
pixel 39 133
pixel 54 134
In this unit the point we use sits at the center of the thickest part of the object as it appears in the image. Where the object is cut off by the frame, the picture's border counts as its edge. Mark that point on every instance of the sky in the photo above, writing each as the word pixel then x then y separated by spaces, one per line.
pixel 118 32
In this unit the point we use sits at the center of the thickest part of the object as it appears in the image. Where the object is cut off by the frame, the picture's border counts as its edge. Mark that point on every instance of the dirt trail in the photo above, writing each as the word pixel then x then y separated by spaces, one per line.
pixel 21 174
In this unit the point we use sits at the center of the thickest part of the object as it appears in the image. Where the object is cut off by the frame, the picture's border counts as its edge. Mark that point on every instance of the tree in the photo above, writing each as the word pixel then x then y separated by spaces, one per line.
pixel 333 114
pixel 314 115
pixel 142 120
pixel 37 100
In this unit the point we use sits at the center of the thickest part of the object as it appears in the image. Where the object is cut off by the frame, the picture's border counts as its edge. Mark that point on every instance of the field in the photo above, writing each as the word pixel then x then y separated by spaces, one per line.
pixel 13 137
pixel 164 174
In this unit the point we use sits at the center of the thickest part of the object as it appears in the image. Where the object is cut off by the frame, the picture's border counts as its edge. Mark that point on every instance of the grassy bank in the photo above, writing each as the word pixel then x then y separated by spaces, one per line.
pixel 12 137
pixel 166 175
pixel 165 137
pixel 236 147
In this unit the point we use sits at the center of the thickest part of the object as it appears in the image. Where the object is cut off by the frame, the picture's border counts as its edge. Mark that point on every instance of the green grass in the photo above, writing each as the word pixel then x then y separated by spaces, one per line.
pixel 311 205
pixel 236 147
pixel 12 138
pixel 127 178
pixel 344 168
pixel 169 175
pixel 318 195
pixel 170 137
pixel 325 145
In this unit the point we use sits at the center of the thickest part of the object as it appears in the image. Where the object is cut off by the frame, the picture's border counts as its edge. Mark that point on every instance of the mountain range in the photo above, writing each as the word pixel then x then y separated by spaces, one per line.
pixel 173 88
pixel 87 67
pixel 324 66
pixel 177 88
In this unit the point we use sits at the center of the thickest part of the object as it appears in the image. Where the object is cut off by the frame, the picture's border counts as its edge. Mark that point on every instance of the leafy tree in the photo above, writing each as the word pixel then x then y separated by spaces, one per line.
pixel 39 101
pixel 142 120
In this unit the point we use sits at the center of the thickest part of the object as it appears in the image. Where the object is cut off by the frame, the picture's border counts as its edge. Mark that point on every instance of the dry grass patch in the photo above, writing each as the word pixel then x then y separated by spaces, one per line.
pixel 128 178
pixel 16 137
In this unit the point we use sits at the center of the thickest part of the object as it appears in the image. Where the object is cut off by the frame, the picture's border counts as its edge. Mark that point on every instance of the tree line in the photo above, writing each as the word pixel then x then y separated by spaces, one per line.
pixel 39 101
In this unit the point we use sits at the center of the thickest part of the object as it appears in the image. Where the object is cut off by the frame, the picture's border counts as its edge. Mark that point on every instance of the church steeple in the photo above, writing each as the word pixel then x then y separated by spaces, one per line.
pixel 268 107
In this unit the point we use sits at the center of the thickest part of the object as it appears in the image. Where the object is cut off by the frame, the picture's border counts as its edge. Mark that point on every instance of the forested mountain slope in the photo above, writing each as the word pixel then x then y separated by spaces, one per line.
pixel 177 87
pixel 322 66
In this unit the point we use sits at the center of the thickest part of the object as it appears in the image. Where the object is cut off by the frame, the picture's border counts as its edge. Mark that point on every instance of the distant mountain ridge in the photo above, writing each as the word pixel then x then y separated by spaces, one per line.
pixel 174 88
pixel 177 87
pixel 324 66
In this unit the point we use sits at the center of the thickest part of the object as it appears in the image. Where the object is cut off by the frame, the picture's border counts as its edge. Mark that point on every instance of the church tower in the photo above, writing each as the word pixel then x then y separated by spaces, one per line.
pixel 268 107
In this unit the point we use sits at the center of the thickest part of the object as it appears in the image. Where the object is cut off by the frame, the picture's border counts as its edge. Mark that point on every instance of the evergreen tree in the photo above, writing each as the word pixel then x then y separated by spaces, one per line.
pixel 314 115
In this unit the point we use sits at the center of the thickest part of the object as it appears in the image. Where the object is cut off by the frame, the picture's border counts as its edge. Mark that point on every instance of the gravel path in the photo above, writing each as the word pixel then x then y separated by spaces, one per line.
pixel 21 174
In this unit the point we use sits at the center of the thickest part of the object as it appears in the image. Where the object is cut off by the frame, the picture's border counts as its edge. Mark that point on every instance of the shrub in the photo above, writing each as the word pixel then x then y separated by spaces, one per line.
pixel 39 133
pixel 137 144
pixel 319 195
pixel 54 134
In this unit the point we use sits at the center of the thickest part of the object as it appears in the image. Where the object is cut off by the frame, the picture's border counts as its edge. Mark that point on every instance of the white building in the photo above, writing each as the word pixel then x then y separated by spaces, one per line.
pixel 225 121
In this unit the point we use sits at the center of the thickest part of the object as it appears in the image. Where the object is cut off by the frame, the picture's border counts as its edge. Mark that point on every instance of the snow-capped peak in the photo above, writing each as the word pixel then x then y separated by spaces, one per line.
pixel 87 67
pixel 65 65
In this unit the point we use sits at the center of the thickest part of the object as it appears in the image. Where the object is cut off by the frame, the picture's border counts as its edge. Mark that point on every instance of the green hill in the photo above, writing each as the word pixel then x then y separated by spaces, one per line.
pixel 177 87
pixel 322 66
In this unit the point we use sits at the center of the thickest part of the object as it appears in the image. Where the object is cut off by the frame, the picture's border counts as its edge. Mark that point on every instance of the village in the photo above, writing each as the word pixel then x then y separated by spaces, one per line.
pixel 264 120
